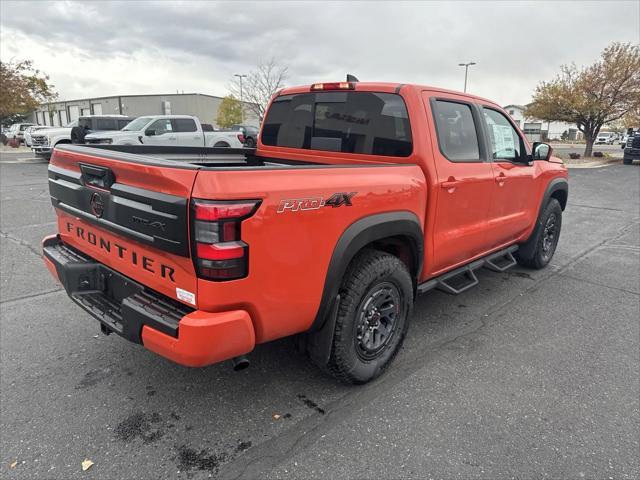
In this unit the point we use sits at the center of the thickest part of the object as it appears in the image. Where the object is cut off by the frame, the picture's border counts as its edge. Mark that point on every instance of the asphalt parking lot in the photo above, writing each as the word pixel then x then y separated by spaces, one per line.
pixel 532 374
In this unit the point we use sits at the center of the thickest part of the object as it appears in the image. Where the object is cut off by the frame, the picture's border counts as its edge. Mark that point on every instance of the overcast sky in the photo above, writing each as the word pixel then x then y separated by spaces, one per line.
pixel 95 48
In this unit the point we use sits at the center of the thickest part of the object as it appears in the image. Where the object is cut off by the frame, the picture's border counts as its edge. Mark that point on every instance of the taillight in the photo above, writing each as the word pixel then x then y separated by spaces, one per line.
pixel 241 138
pixel 333 86
pixel 219 253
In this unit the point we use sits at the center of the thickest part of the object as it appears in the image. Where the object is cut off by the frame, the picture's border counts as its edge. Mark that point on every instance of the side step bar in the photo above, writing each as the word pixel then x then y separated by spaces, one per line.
pixel 463 278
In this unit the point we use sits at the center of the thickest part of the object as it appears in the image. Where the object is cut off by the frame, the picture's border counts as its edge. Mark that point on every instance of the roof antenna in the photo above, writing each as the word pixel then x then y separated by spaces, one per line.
pixel 352 78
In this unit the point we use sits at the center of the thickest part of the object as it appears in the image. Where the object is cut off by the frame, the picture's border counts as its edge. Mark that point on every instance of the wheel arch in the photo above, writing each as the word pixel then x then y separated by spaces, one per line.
pixel 398 233
pixel 558 188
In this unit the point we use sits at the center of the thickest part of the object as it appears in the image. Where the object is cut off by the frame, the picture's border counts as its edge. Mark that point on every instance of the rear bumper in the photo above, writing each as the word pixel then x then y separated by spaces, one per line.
pixel 192 338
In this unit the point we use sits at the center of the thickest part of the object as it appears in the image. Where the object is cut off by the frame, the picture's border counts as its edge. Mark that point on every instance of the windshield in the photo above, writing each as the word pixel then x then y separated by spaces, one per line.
pixel 368 123
pixel 137 124
pixel 72 124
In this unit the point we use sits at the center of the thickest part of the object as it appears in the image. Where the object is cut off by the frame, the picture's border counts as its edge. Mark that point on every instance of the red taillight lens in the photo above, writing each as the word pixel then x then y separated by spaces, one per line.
pixel 333 86
pixel 219 252
pixel 241 138
pixel 212 211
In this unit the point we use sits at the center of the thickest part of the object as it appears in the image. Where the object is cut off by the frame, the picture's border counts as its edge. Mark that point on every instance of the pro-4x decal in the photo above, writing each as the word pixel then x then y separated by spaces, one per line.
pixel 315 203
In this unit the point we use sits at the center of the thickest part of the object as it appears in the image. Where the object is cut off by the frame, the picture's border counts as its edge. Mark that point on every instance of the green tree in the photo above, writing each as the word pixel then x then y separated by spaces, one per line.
pixel 229 112
pixel 22 89
pixel 592 96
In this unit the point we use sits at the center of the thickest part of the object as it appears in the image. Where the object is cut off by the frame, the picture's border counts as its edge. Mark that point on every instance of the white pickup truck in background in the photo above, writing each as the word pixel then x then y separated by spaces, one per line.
pixel 176 130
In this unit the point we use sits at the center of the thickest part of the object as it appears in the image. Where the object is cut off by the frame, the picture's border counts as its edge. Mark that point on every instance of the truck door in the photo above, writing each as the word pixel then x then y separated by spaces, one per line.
pixel 514 190
pixel 464 179
pixel 160 132
pixel 187 132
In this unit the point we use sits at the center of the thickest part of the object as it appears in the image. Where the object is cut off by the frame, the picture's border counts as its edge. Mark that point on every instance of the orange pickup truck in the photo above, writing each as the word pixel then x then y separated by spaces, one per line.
pixel 358 197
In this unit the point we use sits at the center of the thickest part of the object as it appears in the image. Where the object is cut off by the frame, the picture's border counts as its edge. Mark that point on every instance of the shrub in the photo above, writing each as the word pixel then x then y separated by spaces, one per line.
pixel 574 156
pixel 598 154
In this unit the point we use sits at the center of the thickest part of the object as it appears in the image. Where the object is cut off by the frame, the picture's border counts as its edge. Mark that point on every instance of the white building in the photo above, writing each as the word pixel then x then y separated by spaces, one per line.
pixel 205 107
pixel 538 130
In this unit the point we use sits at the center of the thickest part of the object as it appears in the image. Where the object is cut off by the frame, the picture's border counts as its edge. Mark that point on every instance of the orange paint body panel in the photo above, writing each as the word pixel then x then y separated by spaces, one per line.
pixel 204 338
pixel 289 252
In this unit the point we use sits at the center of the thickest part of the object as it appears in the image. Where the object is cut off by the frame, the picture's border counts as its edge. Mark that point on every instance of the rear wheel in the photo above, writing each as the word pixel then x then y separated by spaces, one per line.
pixel 545 237
pixel 627 160
pixel 250 142
pixel 222 144
pixel 376 298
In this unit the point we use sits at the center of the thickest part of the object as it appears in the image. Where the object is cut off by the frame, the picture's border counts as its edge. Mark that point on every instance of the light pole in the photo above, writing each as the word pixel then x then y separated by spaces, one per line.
pixel 466 69
pixel 241 76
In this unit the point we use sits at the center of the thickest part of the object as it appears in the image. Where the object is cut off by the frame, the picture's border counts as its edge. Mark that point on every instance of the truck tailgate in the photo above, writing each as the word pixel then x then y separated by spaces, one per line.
pixel 131 217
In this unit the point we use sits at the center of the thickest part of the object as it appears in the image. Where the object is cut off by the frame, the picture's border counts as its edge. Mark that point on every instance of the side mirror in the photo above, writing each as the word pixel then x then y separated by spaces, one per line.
pixel 150 132
pixel 541 151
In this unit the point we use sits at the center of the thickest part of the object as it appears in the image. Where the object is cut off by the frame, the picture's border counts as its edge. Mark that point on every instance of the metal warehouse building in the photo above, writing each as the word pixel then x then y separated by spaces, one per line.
pixel 205 107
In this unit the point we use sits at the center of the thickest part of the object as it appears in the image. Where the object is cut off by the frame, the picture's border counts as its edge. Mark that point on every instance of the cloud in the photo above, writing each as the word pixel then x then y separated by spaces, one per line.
pixel 100 48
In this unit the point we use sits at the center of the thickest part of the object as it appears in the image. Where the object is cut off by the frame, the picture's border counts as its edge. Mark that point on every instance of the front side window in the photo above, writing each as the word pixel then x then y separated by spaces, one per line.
pixel 161 126
pixel 137 125
pixel 457 134
pixel 505 141
pixel 367 123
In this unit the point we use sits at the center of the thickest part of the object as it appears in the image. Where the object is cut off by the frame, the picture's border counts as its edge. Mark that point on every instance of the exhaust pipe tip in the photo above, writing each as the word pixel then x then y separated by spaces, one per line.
pixel 240 363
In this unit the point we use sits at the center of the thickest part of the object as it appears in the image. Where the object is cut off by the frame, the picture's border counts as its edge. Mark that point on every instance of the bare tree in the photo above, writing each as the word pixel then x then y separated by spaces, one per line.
pixel 259 86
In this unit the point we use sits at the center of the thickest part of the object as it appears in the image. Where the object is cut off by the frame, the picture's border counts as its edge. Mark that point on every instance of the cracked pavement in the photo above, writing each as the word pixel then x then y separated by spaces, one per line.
pixel 530 374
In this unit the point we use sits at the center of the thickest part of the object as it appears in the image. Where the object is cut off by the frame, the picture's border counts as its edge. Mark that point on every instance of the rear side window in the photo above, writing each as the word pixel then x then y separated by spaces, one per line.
pixel 184 125
pixel 105 124
pixel 457 135
pixel 350 122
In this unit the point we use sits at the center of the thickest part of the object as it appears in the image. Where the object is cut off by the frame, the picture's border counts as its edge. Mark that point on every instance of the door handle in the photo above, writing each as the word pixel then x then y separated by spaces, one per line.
pixel 173 138
pixel 501 178
pixel 450 183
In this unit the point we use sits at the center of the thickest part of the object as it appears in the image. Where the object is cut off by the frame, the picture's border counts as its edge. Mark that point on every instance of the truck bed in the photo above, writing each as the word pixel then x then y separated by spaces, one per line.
pixel 185 157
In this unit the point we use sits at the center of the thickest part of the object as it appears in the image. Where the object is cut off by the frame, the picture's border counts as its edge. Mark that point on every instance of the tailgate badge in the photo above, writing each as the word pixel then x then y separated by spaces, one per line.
pixel 97 205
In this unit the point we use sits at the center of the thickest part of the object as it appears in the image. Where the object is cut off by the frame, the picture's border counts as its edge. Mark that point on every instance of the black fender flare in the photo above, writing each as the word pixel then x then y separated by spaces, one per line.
pixel 357 236
pixel 360 234
pixel 555 185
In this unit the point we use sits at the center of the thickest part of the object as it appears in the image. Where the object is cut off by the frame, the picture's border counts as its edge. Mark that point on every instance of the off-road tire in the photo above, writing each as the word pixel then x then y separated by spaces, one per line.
pixel 542 252
pixel 371 275
pixel 627 160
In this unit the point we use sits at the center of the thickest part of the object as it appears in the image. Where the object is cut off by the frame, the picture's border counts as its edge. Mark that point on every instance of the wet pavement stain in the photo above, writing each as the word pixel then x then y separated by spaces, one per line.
pixel 190 459
pixel 207 460
pixel 242 446
pixel 93 377
pixel 140 425
pixel 311 404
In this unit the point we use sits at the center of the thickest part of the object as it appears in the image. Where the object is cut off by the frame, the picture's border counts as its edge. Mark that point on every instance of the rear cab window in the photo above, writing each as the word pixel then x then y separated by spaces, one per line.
pixel 368 123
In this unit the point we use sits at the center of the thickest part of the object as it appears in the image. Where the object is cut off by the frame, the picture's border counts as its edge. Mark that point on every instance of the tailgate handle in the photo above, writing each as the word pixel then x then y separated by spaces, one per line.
pixel 99 177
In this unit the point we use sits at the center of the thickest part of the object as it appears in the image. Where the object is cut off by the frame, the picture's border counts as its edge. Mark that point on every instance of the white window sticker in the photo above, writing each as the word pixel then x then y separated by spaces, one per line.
pixel 505 145
pixel 186 296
